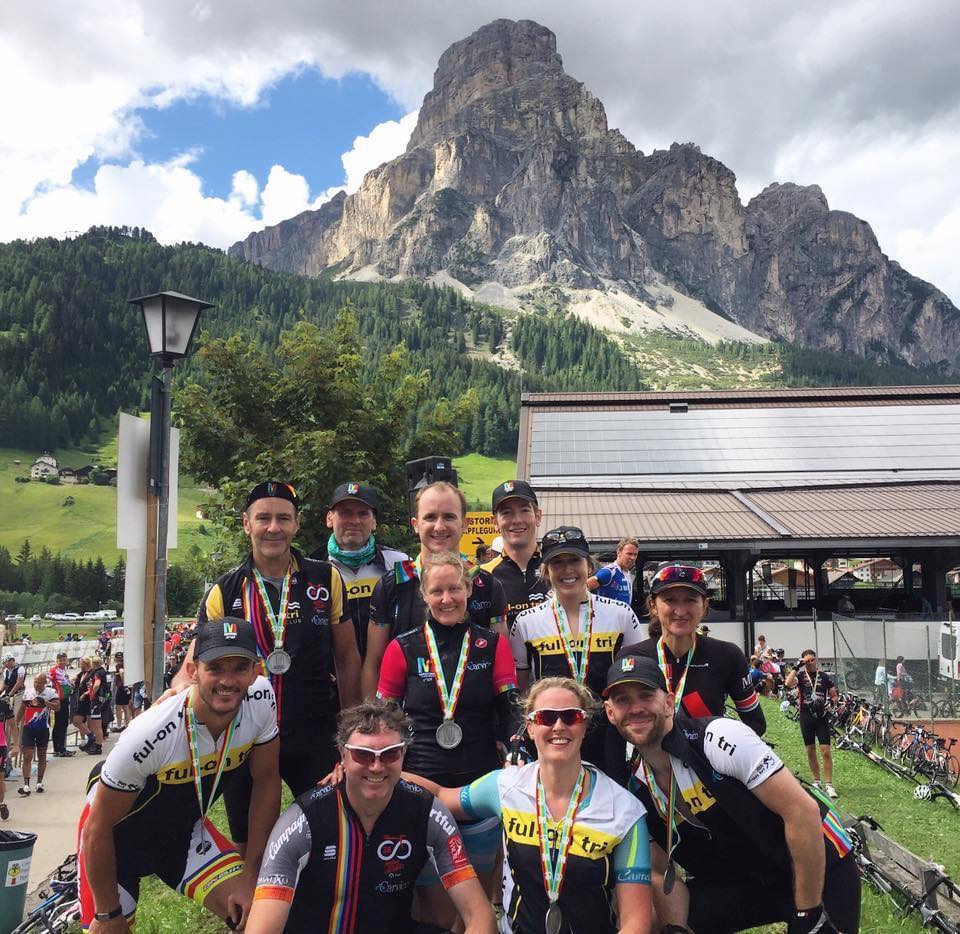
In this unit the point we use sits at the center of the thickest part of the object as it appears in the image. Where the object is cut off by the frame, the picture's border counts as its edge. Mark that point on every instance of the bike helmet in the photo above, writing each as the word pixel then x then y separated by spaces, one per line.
pixel 922 792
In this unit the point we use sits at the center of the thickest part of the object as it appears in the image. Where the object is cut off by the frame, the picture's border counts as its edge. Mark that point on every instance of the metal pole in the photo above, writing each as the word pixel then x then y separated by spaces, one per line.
pixel 816 636
pixel 884 699
pixel 160 606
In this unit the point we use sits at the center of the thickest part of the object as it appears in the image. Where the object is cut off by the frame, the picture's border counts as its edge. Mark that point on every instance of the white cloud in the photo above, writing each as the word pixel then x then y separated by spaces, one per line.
pixel 767 88
pixel 385 141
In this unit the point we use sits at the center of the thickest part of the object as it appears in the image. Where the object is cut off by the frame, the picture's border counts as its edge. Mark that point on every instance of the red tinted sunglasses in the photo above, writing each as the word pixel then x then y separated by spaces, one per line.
pixel 679 572
pixel 547 716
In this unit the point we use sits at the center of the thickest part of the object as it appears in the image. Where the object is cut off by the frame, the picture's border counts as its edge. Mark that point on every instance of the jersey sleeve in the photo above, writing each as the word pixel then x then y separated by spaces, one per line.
pixel 393 673
pixel 286 854
pixel 504 670
pixel 631 857
pixel 127 768
pixel 498 602
pixel 380 601
pixel 518 643
pixel 481 798
pixel 211 606
pixel 739 686
pixel 604 575
pixel 630 626
pixel 264 701
pixel 733 749
pixel 445 845
pixel 338 605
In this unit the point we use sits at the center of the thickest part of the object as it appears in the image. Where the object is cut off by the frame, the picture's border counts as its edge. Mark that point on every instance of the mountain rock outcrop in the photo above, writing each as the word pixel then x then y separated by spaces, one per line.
pixel 513 177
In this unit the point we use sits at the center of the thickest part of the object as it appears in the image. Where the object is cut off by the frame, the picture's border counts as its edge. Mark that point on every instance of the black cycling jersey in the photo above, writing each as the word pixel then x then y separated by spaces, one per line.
pixel 306 691
pixel 728 840
pixel 487 699
pixel 340 879
pixel 718 670
pixel 814 690
pixel 397 604
pixel 523 589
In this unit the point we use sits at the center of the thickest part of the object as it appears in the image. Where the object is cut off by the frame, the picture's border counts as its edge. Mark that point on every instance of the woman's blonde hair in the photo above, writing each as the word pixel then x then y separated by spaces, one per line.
pixel 445 559
pixel 441 486
pixel 585 696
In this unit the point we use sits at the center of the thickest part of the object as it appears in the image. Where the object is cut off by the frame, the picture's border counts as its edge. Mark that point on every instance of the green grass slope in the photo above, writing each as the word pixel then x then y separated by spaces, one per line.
pixel 478 476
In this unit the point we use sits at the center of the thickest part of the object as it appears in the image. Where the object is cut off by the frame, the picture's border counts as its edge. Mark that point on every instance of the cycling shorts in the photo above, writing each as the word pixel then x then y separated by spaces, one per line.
pixel 89 708
pixel 814 729
pixel 481 839
pixel 34 739
pixel 204 867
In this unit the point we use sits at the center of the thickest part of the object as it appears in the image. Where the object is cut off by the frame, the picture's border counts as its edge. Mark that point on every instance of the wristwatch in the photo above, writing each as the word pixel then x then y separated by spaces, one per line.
pixel 108 915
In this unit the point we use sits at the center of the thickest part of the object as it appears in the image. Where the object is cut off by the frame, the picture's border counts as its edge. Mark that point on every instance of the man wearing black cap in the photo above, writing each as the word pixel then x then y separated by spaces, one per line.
pixel 354 552
pixel 756 848
pixel 516 513
pixel 297 610
pixel 147 803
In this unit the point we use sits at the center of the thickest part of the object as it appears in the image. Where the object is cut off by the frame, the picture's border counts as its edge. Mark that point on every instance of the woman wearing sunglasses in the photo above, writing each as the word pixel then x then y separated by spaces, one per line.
pixel 457 684
pixel 397 605
pixel 575 634
pixel 577 843
pixel 701 672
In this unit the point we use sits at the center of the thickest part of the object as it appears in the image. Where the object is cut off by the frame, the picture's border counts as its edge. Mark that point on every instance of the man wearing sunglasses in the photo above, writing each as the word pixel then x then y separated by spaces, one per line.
pixel 721 805
pixel 345 857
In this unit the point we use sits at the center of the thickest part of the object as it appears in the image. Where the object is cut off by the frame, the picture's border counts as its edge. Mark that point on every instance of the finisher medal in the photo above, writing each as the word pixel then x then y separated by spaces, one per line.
pixel 279 662
pixel 553 858
pixel 449 734
pixel 554 919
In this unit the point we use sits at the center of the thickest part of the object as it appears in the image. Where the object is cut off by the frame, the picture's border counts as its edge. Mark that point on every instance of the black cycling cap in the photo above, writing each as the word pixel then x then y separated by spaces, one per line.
pixel 361 492
pixel 222 638
pixel 273 488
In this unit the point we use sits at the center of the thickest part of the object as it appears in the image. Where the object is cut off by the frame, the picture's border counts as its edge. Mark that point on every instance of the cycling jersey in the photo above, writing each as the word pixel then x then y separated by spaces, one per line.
pixel 615 583
pixel 609 845
pixel 359 583
pixel 718 670
pixel 487 696
pixel 397 604
pixel 11 676
pixel 727 839
pixel 36 714
pixel 161 833
pixel 813 688
pixel 522 589
pixel 305 692
pixel 341 880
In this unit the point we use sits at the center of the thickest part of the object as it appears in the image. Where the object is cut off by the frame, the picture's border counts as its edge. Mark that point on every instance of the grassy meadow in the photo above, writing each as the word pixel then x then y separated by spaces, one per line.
pixel 478 476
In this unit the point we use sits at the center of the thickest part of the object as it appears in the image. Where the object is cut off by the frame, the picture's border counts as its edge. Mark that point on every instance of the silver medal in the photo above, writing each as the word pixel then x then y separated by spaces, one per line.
pixel 449 735
pixel 279 662
pixel 554 919
pixel 669 877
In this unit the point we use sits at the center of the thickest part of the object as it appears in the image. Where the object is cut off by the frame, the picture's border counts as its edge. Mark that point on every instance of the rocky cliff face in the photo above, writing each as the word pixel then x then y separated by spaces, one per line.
pixel 512 176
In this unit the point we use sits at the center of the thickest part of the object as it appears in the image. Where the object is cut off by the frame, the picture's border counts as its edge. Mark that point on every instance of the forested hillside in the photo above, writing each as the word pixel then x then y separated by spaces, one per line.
pixel 72 352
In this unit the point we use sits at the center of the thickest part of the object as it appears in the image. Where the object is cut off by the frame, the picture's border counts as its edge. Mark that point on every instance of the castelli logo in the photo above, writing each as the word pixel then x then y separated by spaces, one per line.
pixel 481 643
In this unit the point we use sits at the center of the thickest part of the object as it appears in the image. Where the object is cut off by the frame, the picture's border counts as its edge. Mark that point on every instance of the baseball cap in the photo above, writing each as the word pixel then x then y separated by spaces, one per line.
pixel 361 492
pixel 511 489
pixel 678 575
pixel 274 488
pixel 566 540
pixel 221 638
pixel 635 669
pixel 9 657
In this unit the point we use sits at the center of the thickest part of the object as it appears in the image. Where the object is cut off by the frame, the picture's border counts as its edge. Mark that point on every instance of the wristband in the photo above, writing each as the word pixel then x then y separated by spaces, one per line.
pixel 108 915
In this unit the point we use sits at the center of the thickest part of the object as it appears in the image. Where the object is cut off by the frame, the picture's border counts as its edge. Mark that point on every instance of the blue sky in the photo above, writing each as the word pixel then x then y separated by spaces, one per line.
pixel 205 121
pixel 304 122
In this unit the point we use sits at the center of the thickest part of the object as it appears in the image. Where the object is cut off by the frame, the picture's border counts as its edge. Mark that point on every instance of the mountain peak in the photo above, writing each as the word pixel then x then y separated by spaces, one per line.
pixel 507 66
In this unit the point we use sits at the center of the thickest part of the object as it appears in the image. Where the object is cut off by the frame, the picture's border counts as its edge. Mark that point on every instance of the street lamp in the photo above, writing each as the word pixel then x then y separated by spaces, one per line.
pixel 171 320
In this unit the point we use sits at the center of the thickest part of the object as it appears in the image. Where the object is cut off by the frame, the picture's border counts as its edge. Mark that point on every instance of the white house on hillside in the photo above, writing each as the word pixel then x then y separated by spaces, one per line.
pixel 44 466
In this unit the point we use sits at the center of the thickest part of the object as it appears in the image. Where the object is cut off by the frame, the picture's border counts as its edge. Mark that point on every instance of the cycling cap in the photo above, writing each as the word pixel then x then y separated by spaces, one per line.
pixel 514 489
pixel 635 669
pixel 678 575
pixel 358 491
pixel 273 488
pixel 222 638
pixel 567 540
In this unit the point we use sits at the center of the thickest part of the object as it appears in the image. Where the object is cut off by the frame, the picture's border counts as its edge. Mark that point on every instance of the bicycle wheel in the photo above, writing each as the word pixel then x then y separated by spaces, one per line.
pixel 953 770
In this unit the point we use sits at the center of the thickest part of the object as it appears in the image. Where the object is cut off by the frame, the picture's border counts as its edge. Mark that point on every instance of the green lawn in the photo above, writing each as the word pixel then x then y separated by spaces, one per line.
pixel 478 476
pixel 86 528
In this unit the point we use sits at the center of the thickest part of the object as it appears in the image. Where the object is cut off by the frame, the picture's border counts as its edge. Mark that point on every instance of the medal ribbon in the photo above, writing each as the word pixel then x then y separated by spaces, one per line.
pixel 193 739
pixel 553 871
pixel 577 669
pixel 278 621
pixel 666 808
pixel 662 661
pixel 448 696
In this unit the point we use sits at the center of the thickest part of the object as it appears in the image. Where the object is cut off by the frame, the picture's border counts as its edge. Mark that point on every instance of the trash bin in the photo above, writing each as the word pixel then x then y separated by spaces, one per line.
pixel 16 851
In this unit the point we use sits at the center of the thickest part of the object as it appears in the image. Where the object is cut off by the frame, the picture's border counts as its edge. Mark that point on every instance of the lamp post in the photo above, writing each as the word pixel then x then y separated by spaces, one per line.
pixel 171 320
